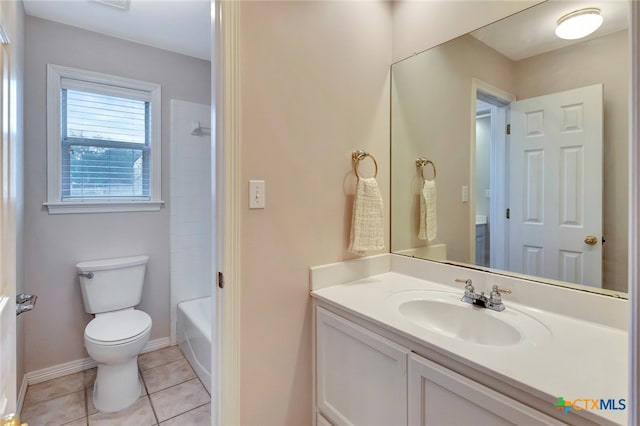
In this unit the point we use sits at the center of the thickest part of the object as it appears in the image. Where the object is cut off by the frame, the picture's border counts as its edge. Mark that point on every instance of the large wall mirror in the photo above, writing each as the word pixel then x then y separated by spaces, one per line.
pixel 509 150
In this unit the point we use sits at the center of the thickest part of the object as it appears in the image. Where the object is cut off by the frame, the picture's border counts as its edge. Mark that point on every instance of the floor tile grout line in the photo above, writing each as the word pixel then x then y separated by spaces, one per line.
pixel 148 395
pixel 178 384
pixel 192 372
pixel 175 384
pixel 205 388
pixel 86 404
pixel 163 364
pixel 195 376
pixel 91 387
pixel 181 383
pixel 188 411
pixel 74 420
pixel 29 403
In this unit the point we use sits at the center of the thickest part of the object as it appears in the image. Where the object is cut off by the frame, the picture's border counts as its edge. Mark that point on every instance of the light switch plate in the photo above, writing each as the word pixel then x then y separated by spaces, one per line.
pixel 257 194
pixel 465 194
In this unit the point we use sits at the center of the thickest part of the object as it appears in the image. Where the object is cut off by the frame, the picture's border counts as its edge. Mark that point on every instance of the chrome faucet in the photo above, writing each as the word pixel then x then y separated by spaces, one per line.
pixel 470 294
pixel 493 302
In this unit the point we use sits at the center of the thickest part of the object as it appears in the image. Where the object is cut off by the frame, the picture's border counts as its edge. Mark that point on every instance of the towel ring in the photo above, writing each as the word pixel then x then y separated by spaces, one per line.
pixel 356 156
pixel 421 162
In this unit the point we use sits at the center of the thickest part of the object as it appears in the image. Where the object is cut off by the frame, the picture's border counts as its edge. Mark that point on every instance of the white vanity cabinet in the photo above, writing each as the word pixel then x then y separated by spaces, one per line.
pixel 364 379
pixel 438 396
pixel 361 378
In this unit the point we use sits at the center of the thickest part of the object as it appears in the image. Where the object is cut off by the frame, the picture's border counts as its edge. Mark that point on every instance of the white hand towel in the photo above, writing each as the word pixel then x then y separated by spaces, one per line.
pixel 428 219
pixel 367 227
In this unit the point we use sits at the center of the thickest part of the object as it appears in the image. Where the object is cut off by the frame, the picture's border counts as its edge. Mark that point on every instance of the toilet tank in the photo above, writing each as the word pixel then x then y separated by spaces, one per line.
pixel 111 284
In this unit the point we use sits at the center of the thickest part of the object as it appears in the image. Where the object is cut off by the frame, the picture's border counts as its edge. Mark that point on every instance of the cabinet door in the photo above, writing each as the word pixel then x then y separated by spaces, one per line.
pixel 438 396
pixel 361 377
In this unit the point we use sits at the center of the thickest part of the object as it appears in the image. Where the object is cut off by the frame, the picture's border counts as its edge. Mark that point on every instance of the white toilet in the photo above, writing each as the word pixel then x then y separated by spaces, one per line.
pixel 117 334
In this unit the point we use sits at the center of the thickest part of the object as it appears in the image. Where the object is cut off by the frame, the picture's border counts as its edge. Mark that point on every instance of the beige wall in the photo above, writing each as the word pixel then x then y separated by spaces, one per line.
pixel 55 243
pixel 315 86
pixel 603 60
pixel 420 25
pixel 434 120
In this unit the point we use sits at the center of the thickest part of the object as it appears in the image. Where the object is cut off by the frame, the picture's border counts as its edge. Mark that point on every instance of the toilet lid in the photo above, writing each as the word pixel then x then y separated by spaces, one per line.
pixel 116 326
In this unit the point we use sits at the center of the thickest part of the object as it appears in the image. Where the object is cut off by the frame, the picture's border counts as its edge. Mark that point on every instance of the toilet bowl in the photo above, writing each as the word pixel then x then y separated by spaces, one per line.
pixel 118 333
pixel 114 341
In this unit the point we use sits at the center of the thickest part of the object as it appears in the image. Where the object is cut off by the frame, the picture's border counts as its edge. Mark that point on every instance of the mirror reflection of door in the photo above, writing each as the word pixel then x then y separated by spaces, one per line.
pixel 542 187
pixel 555 175
pixel 490 175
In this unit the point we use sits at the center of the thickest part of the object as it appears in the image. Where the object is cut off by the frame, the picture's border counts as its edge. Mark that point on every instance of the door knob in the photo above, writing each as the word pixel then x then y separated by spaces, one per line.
pixel 11 420
pixel 591 240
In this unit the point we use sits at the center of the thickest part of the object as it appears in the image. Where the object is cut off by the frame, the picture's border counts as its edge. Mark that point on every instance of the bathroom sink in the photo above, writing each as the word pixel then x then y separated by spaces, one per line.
pixel 443 313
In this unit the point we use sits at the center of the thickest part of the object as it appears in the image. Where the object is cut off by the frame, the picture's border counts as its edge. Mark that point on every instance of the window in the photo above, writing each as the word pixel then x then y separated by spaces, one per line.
pixel 103 143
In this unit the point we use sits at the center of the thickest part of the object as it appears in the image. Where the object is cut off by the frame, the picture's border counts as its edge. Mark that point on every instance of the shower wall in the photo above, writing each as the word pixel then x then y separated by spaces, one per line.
pixel 190 205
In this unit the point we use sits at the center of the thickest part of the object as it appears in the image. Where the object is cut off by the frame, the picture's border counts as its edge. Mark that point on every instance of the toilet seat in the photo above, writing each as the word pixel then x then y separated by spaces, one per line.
pixel 117 328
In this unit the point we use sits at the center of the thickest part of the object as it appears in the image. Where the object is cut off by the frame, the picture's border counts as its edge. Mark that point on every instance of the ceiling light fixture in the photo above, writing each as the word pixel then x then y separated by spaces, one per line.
pixel 579 24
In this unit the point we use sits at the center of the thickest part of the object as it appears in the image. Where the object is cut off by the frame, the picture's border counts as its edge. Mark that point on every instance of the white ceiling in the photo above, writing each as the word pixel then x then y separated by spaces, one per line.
pixel 181 26
pixel 531 32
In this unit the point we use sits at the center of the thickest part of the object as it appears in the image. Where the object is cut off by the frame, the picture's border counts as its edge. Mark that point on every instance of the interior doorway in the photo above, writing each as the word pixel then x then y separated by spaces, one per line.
pixel 489 177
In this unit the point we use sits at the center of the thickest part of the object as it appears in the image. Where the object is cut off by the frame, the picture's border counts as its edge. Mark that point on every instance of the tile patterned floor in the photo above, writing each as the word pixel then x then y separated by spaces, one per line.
pixel 172 395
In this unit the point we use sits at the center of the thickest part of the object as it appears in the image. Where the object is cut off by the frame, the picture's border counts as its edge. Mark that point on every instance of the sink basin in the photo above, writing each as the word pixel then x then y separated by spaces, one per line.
pixel 443 313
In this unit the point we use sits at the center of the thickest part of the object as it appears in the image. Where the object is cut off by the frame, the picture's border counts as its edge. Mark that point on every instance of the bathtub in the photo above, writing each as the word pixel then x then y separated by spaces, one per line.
pixel 194 336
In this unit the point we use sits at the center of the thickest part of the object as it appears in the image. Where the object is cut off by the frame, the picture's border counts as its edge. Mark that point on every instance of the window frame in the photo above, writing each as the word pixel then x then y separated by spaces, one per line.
pixel 54 203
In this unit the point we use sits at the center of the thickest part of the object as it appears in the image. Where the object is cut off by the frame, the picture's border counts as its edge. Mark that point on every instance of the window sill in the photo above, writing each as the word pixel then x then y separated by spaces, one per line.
pixel 103 207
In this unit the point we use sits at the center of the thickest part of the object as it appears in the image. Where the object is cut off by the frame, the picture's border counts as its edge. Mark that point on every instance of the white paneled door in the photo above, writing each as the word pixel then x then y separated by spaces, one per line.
pixel 555 187
pixel 8 174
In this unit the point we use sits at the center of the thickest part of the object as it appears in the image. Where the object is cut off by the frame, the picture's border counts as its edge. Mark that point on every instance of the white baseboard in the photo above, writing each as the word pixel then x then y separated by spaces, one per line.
pixel 21 394
pixel 59 370
pixel 53 372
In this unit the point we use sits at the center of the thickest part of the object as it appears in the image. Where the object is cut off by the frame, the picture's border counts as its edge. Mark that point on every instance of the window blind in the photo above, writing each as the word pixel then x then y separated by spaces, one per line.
pixel 105 143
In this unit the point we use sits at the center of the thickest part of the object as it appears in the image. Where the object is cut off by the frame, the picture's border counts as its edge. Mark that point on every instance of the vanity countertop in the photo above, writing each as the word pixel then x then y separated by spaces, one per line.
pixel 579 359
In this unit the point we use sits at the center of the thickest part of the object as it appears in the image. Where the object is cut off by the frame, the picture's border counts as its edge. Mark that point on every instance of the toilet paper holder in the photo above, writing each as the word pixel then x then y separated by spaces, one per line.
pixel 25 302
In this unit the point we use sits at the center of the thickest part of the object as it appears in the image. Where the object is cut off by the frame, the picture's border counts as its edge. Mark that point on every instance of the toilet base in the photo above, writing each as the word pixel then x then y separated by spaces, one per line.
pixel 117 386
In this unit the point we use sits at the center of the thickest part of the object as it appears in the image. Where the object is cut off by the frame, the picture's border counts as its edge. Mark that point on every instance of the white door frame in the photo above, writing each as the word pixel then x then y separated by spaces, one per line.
pixel 8 199
pixel 497 220
pixel 634 219
pixel 225 79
